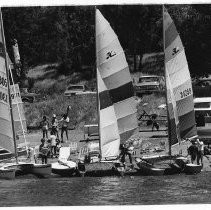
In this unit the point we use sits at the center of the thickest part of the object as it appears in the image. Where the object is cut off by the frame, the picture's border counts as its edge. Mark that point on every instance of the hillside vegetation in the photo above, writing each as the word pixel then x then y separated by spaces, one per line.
pixel 50 88
pixel 51 100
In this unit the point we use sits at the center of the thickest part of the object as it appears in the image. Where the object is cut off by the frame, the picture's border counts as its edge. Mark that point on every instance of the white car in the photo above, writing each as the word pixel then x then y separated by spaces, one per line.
pixel 202 108
pixel 73 90
pixel 202 104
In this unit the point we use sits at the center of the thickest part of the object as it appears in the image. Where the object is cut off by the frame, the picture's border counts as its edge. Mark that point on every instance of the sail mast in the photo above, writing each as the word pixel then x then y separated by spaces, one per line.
pixel 98 100
pixel 168 119
pixel 8 85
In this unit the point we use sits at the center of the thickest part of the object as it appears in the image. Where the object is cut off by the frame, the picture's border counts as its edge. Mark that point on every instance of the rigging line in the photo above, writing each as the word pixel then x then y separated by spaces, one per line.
pixel 19 115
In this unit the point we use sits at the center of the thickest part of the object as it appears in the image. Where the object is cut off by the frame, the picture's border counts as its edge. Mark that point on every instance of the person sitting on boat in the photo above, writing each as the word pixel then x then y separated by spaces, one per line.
pixel 200 154
pixel 44 150
pixel 192 151
pixel 53 144
pixel 54 124
pixel 44 124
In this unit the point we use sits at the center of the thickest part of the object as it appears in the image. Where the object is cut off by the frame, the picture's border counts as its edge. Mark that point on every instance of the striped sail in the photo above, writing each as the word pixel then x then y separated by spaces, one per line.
pixel 6 134
pixel 18 110
pixel 117 107
pixel 179 86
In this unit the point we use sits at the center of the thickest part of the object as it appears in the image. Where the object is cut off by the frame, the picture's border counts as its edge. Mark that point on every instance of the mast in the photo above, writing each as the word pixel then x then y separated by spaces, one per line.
pixel 98 105
pixel 169 124
pixel 8 85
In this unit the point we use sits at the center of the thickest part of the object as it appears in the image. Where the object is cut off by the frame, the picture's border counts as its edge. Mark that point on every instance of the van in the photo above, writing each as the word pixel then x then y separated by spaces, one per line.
pixel 202 108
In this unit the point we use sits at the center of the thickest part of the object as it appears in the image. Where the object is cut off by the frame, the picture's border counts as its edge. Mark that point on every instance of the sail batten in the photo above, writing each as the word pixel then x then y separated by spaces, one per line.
pixel 18 110
pixel 179 86
pixel 118 119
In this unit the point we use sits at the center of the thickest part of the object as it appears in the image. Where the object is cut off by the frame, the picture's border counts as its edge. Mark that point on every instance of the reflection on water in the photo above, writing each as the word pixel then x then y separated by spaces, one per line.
pixel 30 191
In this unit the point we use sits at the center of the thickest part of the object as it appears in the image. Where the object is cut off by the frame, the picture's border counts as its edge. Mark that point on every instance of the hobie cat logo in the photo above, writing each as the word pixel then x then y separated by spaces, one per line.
pixel 110 54
pixel 175 50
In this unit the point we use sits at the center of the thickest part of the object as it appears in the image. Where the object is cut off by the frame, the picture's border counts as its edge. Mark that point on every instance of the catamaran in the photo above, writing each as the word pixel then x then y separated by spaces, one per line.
pixel 117 113
pixel 9 124
pixel 179 96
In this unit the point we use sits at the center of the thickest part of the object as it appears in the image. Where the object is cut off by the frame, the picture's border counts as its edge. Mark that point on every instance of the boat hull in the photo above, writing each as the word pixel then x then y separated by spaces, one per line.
pixel 63 170
pixel 100 169
pixel 7 173
pixel 192 169
pixel 41 170
pixel 146 169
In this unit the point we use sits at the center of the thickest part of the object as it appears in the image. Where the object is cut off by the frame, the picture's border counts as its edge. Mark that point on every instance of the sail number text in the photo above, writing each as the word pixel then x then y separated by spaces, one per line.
pixel 3 81
pixel 185 93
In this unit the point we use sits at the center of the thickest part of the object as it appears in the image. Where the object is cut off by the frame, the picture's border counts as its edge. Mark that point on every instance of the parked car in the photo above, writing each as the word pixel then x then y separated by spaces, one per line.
pixel 26 96
pixel 202 108
pixel 149 84
pixel 77 90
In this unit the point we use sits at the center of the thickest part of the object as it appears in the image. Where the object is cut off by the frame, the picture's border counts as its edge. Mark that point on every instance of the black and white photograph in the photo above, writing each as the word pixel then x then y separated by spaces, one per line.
pixel 105 104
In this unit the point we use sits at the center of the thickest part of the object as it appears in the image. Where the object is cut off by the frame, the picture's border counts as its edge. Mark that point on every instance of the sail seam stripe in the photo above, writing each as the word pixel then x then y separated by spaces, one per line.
pixel 111 59
pixel 103 48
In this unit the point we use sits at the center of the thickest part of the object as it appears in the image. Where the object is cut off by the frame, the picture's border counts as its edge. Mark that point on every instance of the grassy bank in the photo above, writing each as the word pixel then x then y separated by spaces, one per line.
pixel 50 86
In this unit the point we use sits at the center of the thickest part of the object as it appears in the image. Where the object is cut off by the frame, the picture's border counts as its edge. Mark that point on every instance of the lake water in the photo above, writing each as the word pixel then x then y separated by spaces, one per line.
pixel 137 190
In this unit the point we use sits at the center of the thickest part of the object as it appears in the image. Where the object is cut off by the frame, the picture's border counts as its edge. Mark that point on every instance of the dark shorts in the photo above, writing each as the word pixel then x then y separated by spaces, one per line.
pixel 64 128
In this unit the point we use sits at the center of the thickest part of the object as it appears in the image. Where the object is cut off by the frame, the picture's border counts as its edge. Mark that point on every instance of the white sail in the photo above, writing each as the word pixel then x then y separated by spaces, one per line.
pixel 6 133
pixel 179 86
pixel 117 107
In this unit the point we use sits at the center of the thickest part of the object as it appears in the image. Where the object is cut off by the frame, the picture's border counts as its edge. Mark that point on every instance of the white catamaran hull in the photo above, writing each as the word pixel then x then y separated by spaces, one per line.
pixel 64 170
pixel 40 170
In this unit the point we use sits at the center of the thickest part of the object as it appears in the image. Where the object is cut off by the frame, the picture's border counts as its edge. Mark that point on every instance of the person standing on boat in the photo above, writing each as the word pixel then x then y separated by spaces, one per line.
pixel 54 124
pixel 45 124
pixel 192 151
pixel 65 121
pixel 200 154
pixel 44 150
pixel 126 150
pixel 53 144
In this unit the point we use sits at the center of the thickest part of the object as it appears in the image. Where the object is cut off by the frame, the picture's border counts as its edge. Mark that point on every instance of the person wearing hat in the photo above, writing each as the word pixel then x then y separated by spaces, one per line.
pixel 54 124
pixel 193 151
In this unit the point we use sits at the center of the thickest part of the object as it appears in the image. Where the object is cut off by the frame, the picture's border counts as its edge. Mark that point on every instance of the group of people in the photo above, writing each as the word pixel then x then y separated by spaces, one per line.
pixel 50 144
pixel 196 151
pixel 49 147
pixel 55 126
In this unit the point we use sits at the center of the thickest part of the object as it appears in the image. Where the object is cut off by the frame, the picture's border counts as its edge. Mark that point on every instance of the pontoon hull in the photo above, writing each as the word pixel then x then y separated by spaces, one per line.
pixel 148 170
pixel 7 173
pixel 40 170
pixel 100 169
pixel 192 168
pixel 63 170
